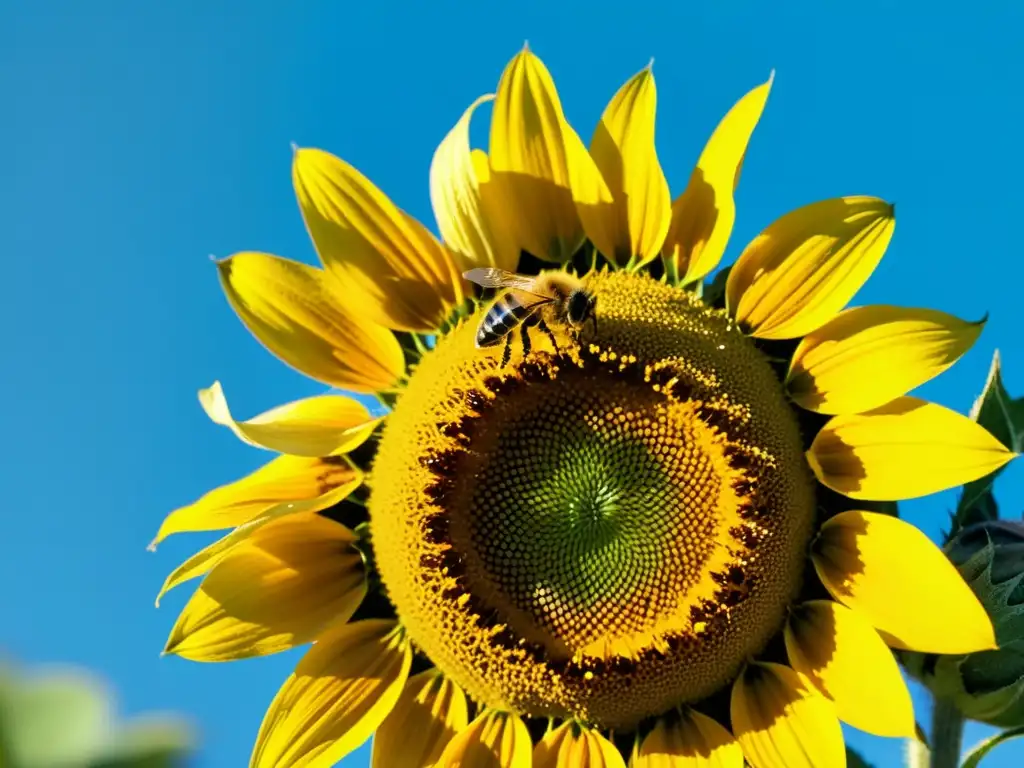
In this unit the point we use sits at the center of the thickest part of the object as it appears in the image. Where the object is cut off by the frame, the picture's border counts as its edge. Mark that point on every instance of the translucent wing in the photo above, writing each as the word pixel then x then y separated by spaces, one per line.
pixel 531 301
pixel 491 277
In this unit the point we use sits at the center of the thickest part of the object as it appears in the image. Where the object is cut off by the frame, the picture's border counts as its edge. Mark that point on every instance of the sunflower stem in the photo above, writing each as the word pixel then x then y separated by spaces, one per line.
pixel 947 734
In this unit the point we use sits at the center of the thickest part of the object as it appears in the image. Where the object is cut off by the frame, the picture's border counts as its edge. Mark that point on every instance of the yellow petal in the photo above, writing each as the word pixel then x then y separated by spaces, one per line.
pixel 457 179
pixel 703 216
pixel 797 274
pixel 905 449
pixel 782 723
pixel 277 589
pixel 208 557
pixel 867 356
pixel 400 275
pixel 571 745
pixel 316 426
pixel 898 580
pixel 499 211
pixel 494 740
pixel 303 317
pixel 540 164
pixel 284 479
pixel 339 693
pixel 693 740
pixel 431 710
pixel 845 659
pixel 623 149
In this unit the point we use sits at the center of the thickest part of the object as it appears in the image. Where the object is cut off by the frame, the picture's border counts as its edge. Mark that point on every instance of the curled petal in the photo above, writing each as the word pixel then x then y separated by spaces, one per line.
pixel 494 740
pixel 207 558
pixel 339 693
pixel 572 744
pixel 303 317
pixel 458 179
pixel 402 276
pixel 623 149
pixel 703 216
pixel 905 449
pixel 893 576
pixel 277 589
pixel 867 356
pixel 782 723
pixel 693 740
pixel 430 711
pixel 539 164
pixel 316 426
pixel 279 481
pixel 845 659
pixel 797 274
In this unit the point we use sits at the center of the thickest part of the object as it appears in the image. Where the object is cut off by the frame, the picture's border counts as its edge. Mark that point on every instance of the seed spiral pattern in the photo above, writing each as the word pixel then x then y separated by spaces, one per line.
pixel 603 530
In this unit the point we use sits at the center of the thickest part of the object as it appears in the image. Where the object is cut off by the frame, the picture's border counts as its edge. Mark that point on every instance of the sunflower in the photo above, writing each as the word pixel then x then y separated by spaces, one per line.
pixel 663 539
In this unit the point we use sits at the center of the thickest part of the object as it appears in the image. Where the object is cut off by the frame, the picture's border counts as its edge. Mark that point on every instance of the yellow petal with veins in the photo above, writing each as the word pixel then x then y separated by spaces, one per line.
pixel 281 480
pixel 693 740
pixel 781 722
pixel 301 315
pixel 703 216
pixel 208 557
pixel 845 659
pixel 493 740
pixel 905 449
pixel 455 192
pixel 394 268
pixel 498 210
pixel 278 588
pixel 338 694
pixel 316 426
pixel 540 165
pixel 571 745
pixel 623 149
pixel 893 576
pixel 430 711
pixel 799 272
pixel 867 356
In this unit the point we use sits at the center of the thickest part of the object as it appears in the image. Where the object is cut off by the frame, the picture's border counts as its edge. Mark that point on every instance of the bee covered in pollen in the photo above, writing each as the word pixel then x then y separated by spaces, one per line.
pixel 551 298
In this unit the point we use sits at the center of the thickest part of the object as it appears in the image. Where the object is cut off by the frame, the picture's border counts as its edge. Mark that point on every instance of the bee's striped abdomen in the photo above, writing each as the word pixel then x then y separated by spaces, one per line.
pixel 503 316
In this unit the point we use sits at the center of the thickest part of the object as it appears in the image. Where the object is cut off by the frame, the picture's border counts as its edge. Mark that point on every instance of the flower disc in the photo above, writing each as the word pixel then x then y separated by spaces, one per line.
pixel 600 531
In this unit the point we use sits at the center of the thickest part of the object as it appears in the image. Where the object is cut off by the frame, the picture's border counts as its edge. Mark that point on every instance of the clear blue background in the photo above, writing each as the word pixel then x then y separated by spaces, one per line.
pixel 138 138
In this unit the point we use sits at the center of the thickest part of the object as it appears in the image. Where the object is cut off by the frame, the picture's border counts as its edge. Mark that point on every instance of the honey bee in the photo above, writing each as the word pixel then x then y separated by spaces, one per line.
pixel 553 298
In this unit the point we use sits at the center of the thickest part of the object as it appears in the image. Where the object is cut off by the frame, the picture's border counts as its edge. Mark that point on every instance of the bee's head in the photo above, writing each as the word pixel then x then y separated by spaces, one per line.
pixel 580 307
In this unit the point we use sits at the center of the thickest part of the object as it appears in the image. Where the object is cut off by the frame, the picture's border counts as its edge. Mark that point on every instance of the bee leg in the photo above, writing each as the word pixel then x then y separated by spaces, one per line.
pixel 527 345
pixel 546 328
pixel 506 354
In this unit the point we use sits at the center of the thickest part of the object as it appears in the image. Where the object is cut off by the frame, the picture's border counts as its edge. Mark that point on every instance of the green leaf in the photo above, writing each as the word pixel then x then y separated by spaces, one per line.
pixel 57 719
pixel 162 742
pixel 854 760
pixel 983 510
pixel 976 755
pixel 1003 416
pixel 66 718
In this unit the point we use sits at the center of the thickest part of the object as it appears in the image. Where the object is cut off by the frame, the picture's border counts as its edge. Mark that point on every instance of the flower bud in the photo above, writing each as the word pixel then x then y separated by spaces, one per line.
pixel 989 685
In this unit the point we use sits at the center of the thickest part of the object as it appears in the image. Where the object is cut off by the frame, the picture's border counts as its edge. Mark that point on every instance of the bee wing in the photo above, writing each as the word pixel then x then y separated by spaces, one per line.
pixel 531 301
pixel 491 277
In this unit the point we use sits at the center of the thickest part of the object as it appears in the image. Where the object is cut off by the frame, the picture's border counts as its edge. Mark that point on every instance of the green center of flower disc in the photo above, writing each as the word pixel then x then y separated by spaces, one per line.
pixel 601 530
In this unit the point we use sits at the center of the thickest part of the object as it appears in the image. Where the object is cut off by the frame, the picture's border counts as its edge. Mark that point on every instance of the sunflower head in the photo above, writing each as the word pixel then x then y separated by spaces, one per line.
pixel 598 531
pixel 604 498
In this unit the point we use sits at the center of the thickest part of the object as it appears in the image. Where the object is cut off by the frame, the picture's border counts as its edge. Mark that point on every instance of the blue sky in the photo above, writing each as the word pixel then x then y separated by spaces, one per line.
pixel 139 138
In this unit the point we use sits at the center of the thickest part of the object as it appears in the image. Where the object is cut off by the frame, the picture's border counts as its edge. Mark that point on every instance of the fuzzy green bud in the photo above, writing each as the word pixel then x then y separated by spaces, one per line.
pixel 986 686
